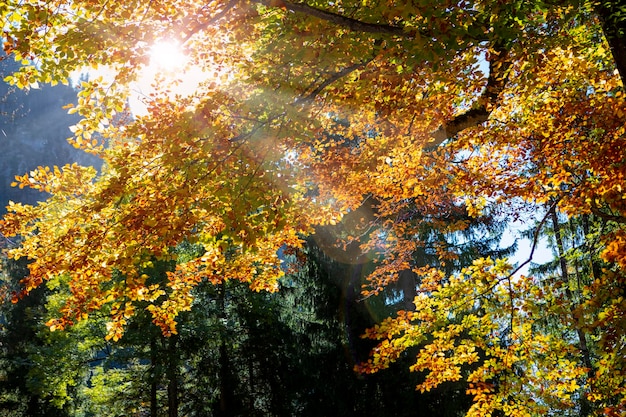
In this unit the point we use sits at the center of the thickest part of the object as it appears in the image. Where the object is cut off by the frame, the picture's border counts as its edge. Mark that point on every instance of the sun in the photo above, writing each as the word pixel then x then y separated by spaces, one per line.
pixel 167 56
pixel 169 71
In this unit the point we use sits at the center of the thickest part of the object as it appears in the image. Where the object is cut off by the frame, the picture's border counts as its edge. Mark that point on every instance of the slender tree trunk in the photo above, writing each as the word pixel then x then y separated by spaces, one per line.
pixel 224 361
pixel 407 284
pixel 154 381
pixel 251 394
pixel 596 271
pixel 350 300
pixel 585 409
pixel 33 406
pixel 172 377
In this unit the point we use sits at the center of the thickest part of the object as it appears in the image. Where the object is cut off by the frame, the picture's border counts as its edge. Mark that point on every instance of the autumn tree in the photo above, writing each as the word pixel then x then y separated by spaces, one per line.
pixel 311 110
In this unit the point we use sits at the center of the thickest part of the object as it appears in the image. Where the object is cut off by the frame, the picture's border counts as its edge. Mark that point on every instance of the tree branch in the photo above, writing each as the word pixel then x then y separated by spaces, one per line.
pixel 606 216
pixel 536 236
pixel 333 77
pixel 499 65
pixel 213 20
pixel 340 20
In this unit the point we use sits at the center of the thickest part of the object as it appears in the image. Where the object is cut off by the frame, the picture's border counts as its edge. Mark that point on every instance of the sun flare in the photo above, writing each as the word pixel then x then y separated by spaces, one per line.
pixel 167 55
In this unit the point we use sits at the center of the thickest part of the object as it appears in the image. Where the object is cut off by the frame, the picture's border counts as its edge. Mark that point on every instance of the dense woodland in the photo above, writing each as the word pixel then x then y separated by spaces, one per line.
pixel 324 208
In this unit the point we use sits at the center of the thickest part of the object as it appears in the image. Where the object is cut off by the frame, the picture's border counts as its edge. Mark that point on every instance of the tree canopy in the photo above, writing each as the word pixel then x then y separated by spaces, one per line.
pixel 418 119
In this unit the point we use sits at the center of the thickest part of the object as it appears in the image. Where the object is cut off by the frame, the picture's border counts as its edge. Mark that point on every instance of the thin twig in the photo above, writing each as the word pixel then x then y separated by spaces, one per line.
pixel 535 241
pixel 209 22
pixel 334 77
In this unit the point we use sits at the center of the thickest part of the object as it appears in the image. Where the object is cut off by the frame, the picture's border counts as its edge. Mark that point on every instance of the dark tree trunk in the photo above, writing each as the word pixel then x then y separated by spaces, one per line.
pixel 596 270
pixel 407 282
pixel 613 17
pixel 251 382
pixel 154 382
pixel 172 377
pixel 224 360
pixel 33 406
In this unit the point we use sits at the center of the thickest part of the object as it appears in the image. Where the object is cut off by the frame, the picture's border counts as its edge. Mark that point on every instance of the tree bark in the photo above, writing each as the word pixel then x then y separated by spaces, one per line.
pixel 499 64
pixel 224 409
pixel 407 283
pixel 154 380
pixel 590 248
pixel 172 377
pixel 613 20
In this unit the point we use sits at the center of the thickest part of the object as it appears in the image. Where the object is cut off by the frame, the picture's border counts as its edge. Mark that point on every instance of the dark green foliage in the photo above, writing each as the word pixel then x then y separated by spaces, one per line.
pixel 21 343
pixel 238 353
pixel 334 290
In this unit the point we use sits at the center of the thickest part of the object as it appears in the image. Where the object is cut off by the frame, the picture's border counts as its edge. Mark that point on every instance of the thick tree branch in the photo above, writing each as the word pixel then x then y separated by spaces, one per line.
pixel 470 118
pixel 499 65
pixel 340 20
pixel 596 210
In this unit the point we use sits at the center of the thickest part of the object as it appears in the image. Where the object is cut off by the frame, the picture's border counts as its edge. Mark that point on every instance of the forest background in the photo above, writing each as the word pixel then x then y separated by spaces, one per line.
pixel 366 155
